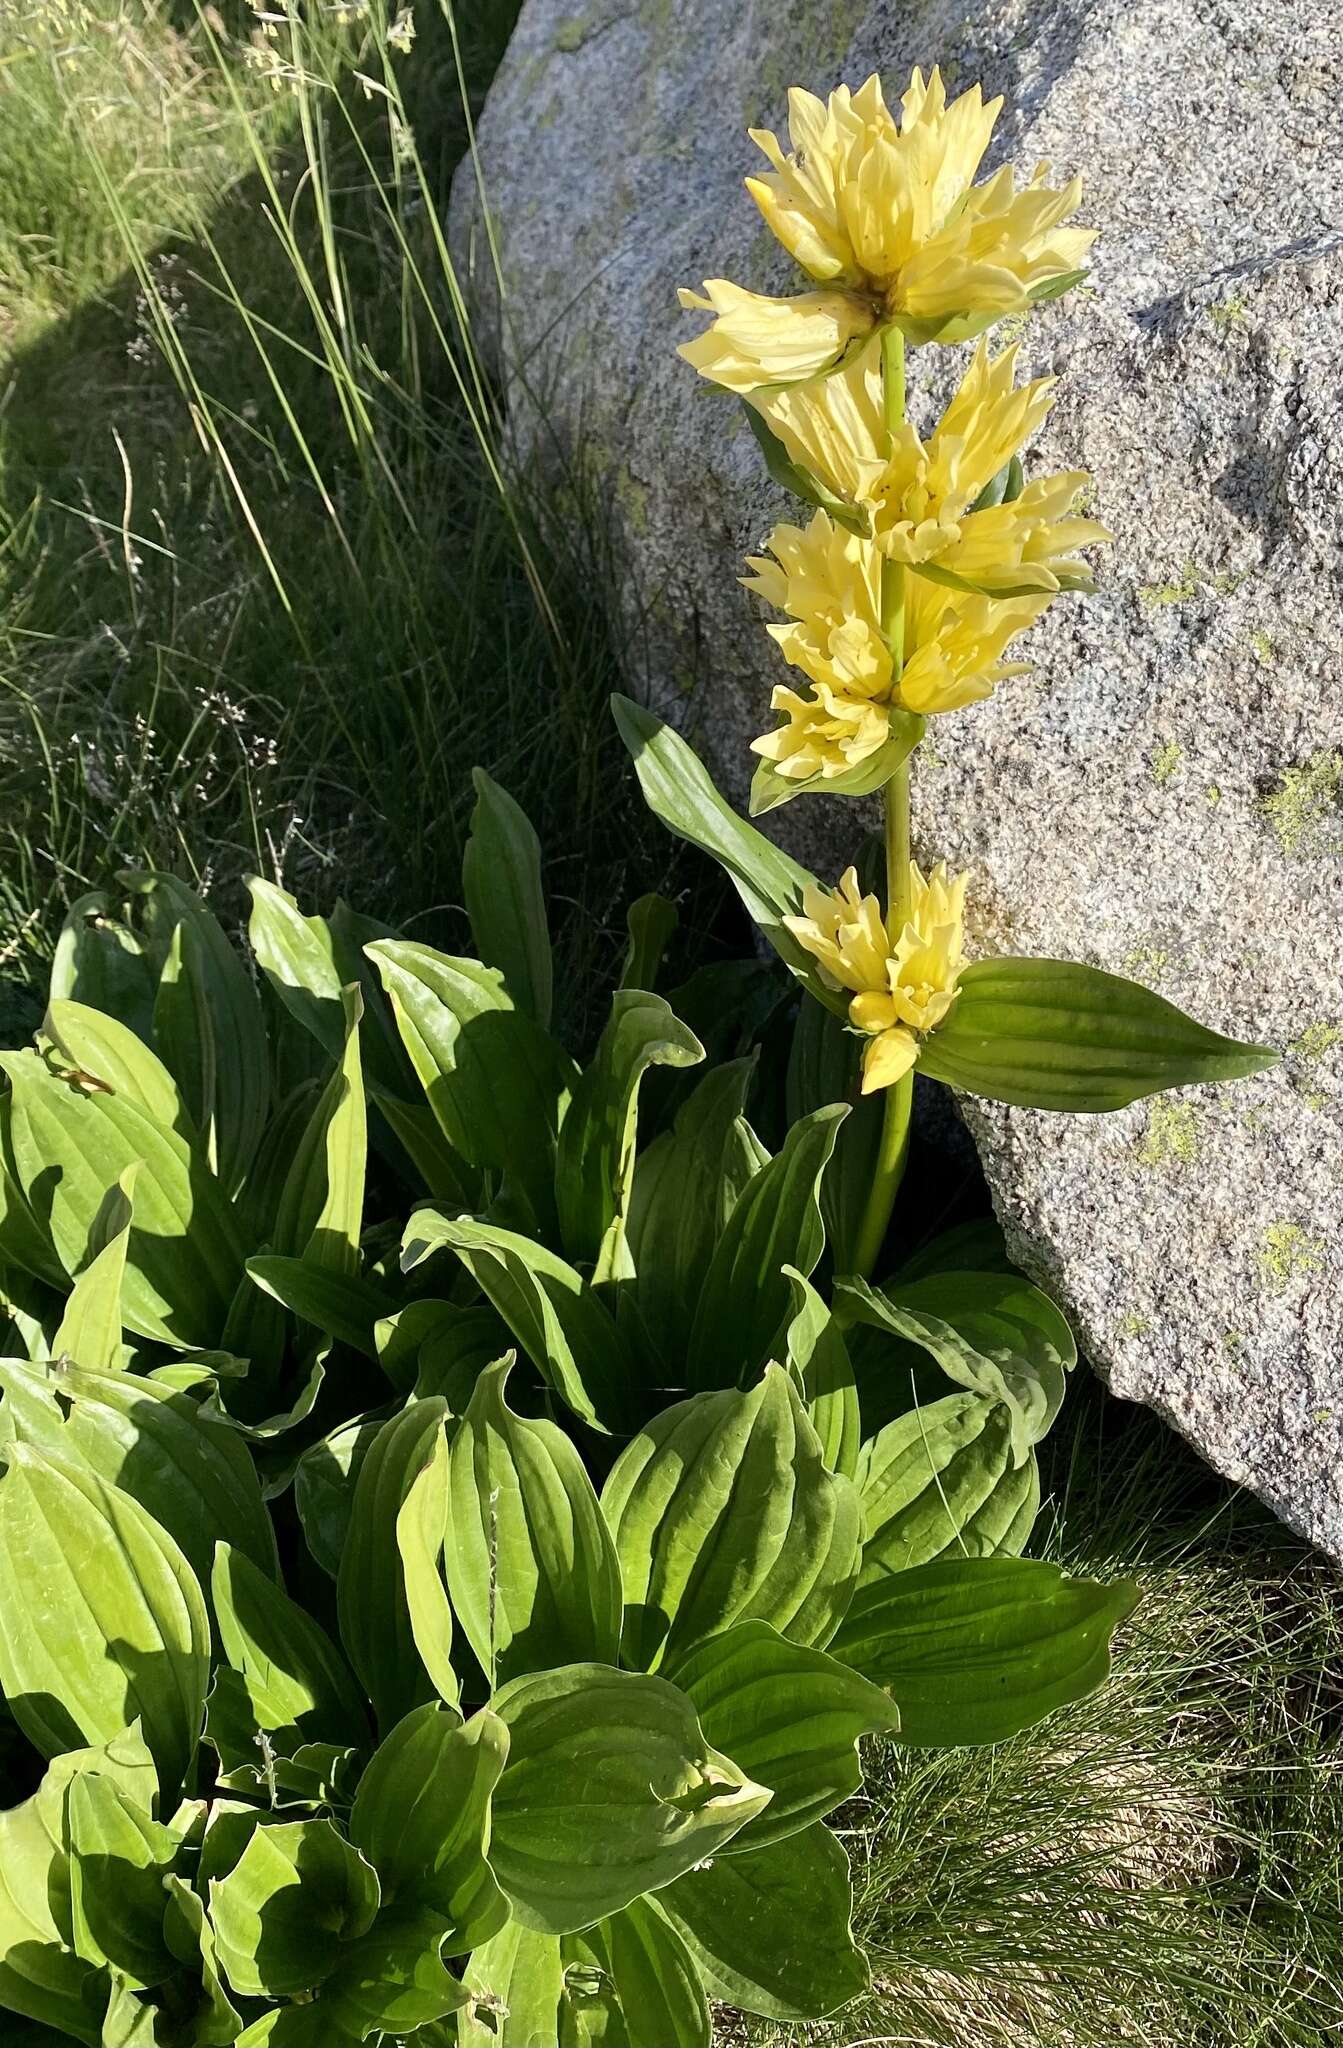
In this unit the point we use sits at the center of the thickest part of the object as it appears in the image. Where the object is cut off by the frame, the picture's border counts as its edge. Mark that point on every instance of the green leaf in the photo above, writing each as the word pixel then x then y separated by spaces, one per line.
pixel 421 1530
pixel 776 1223
pixel 679 790
pixel 297 1683
pixel 40 1974
pixel 104 1051
pixel 120 1629
pixel 209 1028
pixel 497 1084
pixel 595 1161
pixel 393 1980
pixel 191 1472
pixel 321 1207
pixel 501 879
pixel 184 1257
pixel 769 789
pixel 943 1481
pixel 531 1566
pixel 296 956
pixel 190 1936
pixel 556 1317
pixel 770 1931
pixel 974 1649
pixel 610 1790
pixel 324 1483
pixel 517 1978
pixel 824 1065
pixel 375 1624
pixel 100 962
pixel 1052 1034
pixel 421 1816
pixel 790 1717
pixel 344 1306
pixel 991 1332
pixel 684 1191
pixel 296 1894
pixel 818 1359
pixel 119 1858
pixel 722 1509
pixel 90 1329
pixel 651 922
pixel 629 1980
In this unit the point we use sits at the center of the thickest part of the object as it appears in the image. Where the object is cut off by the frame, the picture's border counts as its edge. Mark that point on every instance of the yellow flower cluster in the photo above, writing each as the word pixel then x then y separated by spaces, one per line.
pixel 901 595
pixel 902 983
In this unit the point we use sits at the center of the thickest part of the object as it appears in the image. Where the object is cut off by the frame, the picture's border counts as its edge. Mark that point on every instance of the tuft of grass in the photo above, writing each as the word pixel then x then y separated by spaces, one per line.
pixel 267 589
pixel 1159 1866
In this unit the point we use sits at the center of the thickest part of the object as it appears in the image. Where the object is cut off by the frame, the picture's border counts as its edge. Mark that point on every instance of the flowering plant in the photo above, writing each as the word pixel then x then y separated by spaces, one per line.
pixel 922 561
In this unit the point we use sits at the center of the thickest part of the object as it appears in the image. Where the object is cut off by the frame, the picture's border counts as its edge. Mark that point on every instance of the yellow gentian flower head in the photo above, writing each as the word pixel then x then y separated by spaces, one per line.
pixel 902 985
pixel 921 498
pixel 754 340
pixel 890 210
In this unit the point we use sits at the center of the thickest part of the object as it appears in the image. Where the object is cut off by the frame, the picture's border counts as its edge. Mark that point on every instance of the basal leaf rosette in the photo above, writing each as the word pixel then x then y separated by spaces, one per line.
pixel 885 215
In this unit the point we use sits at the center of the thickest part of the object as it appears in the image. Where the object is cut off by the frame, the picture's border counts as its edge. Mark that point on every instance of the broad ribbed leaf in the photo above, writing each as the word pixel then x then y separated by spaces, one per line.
pixel 101 1049
pixel 942 1481
pixel 817 1357
pixel 120 1631
pixel 722 1509
pixel 324 1483
pixel 321 1207
pixel 1053 1034
pixel 501 880
pixel 679 790
pixel 40 1974
pixel 90 1329
pixel 975 1649
pixel 556 1317
pixel 651 922
pixel 209 1027
pixel 184 1258
pixel 788 1716
pixel 294 1897
pixel 497 1084
pixel 991 1332
pixel 392 1981
pixel 298 1685
pixel 296 956
pixel 421 1530
pixel 344 1306
pixel 531 1566
pixel 101 962
pixel 628 1980
pixel 610 1790
pixel 594 1164
pixel 191 1938
pixel 119 1858
pixel 682 1196
pixel 770 1931
pixel 421 1816
pixel 375 1624
pixel 191 1472
pixel 776 1223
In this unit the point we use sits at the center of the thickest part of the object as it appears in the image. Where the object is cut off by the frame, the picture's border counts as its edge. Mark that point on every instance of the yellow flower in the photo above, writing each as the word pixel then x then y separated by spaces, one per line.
pixel 955 642
pixel 901 985
pixel 889 211
pixel 754 340
pixel 829 582
pixel 921 498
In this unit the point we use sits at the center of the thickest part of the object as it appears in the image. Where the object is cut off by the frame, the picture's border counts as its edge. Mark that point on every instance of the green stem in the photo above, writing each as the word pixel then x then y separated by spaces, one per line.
pixel 893 1150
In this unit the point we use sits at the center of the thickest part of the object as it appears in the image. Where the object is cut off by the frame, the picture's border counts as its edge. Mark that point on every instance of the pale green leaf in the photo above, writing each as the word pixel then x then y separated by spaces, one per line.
pixel 501 880
pixel 375 1624
pixel 281 1916
pixel 943 1481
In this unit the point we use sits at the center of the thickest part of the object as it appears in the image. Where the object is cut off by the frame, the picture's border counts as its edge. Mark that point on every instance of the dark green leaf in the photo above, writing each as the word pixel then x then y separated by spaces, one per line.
pixel 824 1065
pixel 393 1981
pixel 770 1931
pixel 817 1357
pixel 282 1915
pixel 610 1790
pixel 776 1223
pixel 974 1649
pixel 344 1306
pixel 501 878
pixel 375 1624
pixel 119 1858
pixel 298 1685
pixel 1052 1034
pixel 722 1509
pixel 651 921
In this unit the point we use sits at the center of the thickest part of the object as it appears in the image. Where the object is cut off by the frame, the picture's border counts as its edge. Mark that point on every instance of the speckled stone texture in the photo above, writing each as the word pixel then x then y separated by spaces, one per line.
pixel 1161 796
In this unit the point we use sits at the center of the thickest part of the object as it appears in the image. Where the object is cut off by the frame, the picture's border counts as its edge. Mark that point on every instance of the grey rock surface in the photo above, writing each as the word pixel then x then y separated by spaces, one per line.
pixel 1162 795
